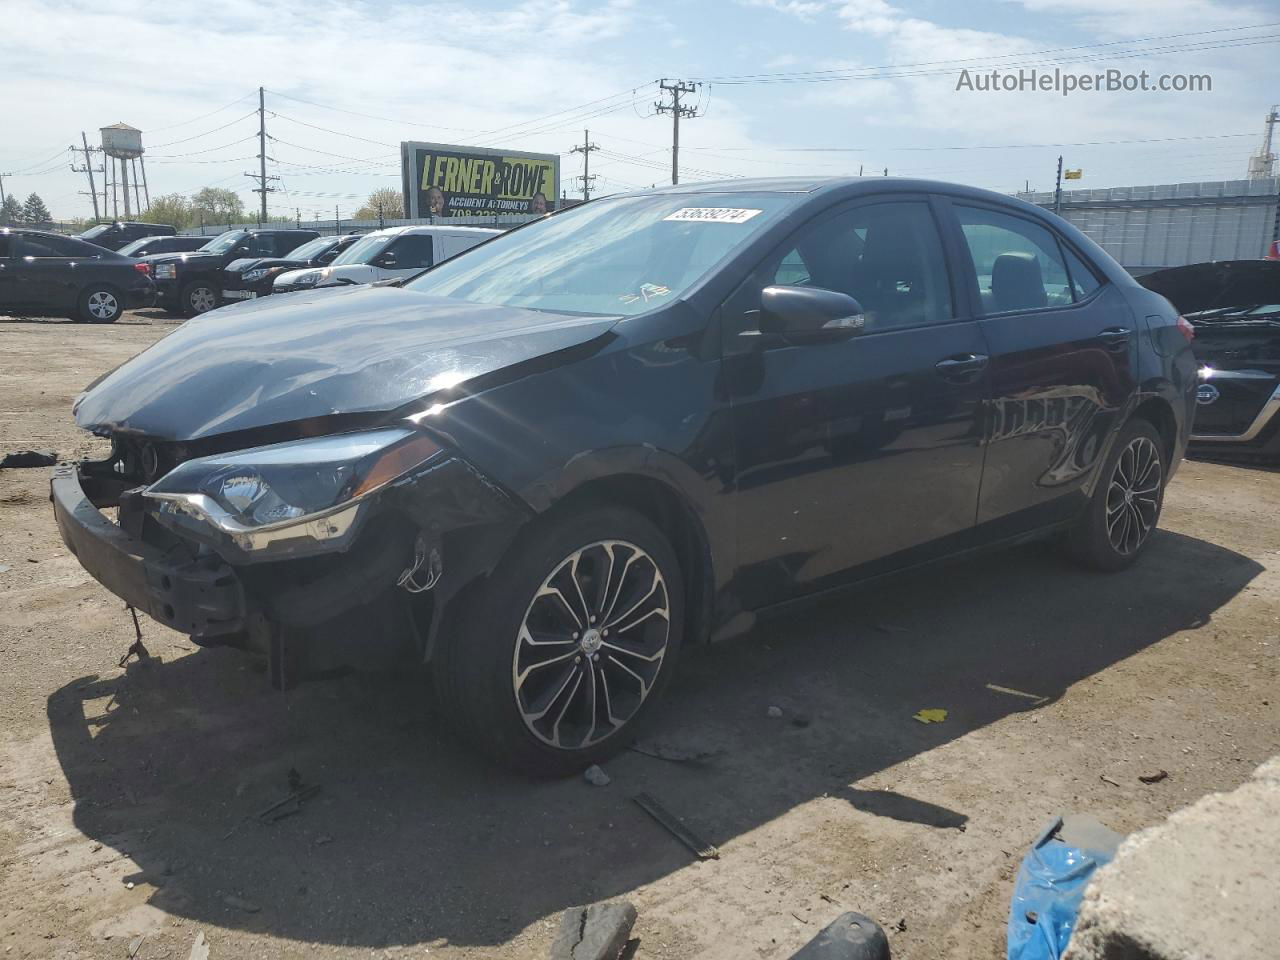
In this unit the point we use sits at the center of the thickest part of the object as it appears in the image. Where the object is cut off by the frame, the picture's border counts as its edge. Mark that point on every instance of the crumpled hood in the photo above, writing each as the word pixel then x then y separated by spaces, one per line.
pixel 316 354
pixel 254 263
pixel 1217 284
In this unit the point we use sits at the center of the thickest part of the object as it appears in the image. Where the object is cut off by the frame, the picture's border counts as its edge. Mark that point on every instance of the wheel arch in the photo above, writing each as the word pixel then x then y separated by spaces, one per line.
pixel 1159 413
pixel 672 513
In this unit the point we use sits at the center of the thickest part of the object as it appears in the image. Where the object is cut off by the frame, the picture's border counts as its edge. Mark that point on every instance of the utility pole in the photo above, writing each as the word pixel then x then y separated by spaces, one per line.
pixel 677 89
pixel 88 168
pixel 1057 190
pixel 585 150
pixel 261 176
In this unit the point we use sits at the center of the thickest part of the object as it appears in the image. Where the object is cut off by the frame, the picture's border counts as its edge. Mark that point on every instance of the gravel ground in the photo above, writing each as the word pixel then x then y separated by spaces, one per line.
pixel 128 797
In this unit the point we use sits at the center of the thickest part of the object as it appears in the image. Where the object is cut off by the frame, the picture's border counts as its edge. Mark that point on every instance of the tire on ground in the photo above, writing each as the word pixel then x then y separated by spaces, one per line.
pixel 475 663
pixel 99 303
pixel 198 296
pixel 1090 540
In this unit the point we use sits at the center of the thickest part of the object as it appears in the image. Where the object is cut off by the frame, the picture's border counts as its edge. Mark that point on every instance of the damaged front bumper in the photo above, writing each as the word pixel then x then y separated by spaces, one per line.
pixel 195 594
pixel 309 613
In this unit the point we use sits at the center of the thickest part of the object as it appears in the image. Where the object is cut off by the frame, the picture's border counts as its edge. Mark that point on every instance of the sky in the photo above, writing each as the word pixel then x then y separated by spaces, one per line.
pixel 787 87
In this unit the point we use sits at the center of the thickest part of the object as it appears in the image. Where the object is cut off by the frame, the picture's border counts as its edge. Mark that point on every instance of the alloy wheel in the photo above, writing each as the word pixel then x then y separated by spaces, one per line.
pixel 1133 496
pixel 591 644
pixel 202 300
pixel 103 305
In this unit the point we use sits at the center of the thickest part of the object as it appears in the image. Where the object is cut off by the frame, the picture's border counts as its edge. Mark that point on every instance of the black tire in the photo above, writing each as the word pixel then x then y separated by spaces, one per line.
pixel 490 682
pixel 1115 528
pixel 99 303
pixel 198 296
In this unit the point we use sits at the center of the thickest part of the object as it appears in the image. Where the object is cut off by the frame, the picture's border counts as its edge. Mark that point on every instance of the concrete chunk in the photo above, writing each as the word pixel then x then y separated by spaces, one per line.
pixel 1200 885
pixel 595 932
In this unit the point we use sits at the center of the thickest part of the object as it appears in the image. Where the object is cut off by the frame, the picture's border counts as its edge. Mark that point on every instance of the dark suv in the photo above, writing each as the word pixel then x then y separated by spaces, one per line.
pixel 48 275
pixel 113 236
pixel 191 283
pixel 252 278
pixel 548 464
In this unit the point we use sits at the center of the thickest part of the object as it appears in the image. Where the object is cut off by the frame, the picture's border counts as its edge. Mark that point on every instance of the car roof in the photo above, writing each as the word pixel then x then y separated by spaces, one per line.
pixel 860 186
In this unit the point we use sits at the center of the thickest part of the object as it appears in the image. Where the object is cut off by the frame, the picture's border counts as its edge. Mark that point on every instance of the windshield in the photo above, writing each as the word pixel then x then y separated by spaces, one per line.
pixel 97 231
pixel 129 249
pixel 310 249
pixel 363 250
pixel 620 256
pixel 224 241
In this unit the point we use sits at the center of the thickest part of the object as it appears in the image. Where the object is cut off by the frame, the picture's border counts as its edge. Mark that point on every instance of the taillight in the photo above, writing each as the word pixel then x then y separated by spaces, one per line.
pixel 1186 329
pixel 143 268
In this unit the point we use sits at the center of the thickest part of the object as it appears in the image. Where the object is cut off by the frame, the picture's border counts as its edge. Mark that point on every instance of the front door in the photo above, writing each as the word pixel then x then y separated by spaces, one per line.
pixel 1062 367
pixel 864 454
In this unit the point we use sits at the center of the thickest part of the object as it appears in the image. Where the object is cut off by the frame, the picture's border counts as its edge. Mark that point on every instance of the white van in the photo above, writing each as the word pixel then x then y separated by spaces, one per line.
pixel 386 254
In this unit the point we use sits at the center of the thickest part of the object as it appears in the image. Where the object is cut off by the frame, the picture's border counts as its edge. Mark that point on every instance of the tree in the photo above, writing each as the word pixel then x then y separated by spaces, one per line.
pixel 10 212
pixel 389 199
pixel 34 210
pixel 217 205
pixel 172 208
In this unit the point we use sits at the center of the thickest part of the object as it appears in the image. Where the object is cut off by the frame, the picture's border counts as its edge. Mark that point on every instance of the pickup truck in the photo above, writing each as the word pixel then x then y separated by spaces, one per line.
pixel 191 283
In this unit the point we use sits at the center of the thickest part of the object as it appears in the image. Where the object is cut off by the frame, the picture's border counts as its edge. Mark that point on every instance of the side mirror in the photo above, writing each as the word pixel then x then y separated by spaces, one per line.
pixel 809 314
pixel 328 256
pixel 387 260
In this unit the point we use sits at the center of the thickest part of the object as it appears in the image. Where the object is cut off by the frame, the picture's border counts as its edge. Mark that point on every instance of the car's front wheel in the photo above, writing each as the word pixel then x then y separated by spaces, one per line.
pixel 557 660
pixel 1117 525
pixel 198 296
pixel 100 304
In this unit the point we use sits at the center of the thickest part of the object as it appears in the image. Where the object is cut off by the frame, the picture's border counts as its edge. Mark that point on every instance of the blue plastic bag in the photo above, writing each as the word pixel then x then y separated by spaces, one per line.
pixel 1049 886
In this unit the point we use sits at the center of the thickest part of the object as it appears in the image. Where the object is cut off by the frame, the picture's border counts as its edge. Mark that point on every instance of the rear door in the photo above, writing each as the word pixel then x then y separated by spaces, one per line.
pixel 10 268
pixel 1062 366
pixel 860 455
pixel 52 271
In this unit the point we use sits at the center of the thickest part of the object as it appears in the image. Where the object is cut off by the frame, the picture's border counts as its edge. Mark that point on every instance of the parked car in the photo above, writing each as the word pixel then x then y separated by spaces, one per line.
pixel 1234 306
pixel 147 246
pixel 191 283
pixel 113 236
pixel 546 466
pixel 47 275
pixel 251 278
pixel 387 255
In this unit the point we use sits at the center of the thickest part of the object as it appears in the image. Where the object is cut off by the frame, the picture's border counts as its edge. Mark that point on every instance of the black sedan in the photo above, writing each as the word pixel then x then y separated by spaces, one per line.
pixel 252 277
pixel 1234 306
pixel 546 466
pixel 48 275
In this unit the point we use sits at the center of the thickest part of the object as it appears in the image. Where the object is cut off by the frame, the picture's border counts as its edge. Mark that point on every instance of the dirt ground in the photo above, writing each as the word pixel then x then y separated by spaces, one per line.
pixel 129 797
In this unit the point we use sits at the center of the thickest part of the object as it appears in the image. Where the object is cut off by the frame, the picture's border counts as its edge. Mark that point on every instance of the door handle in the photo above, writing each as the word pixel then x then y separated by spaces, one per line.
pixel 1115 339
pixel 963 367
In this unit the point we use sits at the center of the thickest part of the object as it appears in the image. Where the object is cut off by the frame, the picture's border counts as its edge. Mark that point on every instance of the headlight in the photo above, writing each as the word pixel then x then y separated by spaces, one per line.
pixel 165 271
pixel 311 278
pixel 256 274
pixel 308 490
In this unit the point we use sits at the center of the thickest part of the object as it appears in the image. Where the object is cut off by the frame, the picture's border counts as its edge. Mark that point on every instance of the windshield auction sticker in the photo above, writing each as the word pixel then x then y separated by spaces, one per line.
pixel 713 214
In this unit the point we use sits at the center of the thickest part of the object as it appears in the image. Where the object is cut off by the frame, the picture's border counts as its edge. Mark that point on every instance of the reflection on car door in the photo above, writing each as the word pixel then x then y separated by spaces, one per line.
pixel 863 454
pixel 1062 367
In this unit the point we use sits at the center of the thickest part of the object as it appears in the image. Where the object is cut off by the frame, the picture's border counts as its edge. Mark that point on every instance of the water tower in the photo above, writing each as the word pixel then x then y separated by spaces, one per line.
pixel 123 145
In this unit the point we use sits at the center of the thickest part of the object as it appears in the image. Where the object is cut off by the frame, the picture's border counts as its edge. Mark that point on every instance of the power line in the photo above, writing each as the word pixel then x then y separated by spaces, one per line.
pixel 183 123
pixel 197 136
pixel 989 57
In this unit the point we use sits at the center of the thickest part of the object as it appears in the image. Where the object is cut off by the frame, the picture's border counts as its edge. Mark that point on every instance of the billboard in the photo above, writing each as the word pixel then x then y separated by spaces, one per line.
pixel 447 180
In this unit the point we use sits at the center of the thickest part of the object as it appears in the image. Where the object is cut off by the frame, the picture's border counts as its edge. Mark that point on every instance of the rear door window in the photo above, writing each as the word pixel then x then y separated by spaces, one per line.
pixel 43 248
pixel 1019 264
pixel 1083 280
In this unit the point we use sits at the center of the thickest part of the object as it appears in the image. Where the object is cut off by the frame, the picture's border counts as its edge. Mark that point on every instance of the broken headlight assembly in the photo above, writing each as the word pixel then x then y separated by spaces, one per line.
pixel 304 496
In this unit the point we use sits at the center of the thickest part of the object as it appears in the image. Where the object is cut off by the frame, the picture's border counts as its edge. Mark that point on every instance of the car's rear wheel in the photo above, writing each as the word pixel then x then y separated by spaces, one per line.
pixel 1117 525
pixel 561 656
pixel 100 304
pixel 199 296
